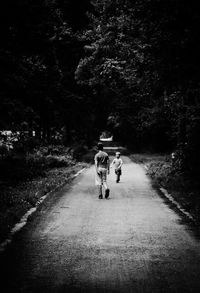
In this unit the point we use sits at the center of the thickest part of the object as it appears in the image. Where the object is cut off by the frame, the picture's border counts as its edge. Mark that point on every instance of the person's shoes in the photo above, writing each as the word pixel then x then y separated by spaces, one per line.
pixel 107 192
pixel 100 196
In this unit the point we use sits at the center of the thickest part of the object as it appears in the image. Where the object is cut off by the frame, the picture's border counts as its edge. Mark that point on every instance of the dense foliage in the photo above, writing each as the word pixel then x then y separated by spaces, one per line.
pixel 75 68
pixel 38 56
pixel 142 61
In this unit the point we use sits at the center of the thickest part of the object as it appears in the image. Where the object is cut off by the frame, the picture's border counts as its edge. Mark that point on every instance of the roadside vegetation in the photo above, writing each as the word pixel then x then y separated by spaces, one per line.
pixel 25 178
pixel 165 172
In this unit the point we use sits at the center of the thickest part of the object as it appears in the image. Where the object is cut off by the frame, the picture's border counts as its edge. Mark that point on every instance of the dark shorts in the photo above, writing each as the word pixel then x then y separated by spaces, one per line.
pixel 118 172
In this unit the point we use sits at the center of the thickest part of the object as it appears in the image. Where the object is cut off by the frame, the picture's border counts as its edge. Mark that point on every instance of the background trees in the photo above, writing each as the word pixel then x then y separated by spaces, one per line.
pixel 39 53
pixel 141 59
pixel 80 67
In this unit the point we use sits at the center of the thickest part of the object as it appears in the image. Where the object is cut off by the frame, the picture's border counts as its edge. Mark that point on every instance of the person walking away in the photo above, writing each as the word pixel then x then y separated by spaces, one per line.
pixel 102 166
pixel 117 162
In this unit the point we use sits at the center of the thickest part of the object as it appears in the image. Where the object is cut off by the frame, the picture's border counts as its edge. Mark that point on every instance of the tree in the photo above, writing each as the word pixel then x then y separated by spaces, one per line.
pixel 143 56
pixel 39 54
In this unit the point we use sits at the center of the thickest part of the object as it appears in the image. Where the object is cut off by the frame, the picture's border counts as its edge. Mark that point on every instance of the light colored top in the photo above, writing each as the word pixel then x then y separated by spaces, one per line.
pixel 117 162
pixel 102 160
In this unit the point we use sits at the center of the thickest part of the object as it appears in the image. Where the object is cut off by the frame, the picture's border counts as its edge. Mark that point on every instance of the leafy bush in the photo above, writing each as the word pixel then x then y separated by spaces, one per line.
pixel 49 161
pixel 3 150
pixel 78 150
pixel 22 167
pixel 160 171
pixel 52 150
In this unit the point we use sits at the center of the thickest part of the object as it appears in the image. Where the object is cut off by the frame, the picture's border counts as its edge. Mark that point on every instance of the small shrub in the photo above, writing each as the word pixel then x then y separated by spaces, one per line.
pixel 59 161
pixel 3 150
pixel 49 161
pixel 79 150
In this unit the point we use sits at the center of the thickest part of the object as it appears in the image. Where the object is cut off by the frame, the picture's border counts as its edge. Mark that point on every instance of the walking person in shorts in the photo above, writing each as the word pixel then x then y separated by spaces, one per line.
pixel 102 166
pixel 117 162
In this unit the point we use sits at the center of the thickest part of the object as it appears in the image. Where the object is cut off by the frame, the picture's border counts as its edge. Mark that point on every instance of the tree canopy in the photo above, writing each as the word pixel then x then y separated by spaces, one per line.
pixel 126 66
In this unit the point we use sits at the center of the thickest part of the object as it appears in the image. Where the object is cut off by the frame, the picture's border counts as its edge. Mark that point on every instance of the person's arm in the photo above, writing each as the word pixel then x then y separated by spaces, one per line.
pixel 108 166
pixel 113 162
pixel 96 164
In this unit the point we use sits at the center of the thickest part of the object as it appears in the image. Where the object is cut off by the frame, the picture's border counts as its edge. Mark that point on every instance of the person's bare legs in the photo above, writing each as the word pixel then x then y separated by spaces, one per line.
pixel 107 190
pixel 105 185
pixel 100 191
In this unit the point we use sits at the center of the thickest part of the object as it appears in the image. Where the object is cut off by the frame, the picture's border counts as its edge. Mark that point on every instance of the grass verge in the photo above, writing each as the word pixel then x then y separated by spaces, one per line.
pixel 184 189
pixel 24 181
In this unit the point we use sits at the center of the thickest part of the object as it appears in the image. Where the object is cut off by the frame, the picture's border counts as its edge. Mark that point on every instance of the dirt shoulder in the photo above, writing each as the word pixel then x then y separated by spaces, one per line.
pixel 182 188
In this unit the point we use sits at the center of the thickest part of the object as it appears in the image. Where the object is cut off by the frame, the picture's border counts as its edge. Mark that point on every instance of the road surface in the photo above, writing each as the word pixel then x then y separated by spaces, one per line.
pixel 132 242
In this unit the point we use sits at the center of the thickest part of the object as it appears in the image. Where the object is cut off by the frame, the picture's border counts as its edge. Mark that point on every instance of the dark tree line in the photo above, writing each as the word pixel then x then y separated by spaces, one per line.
pixel 79 67
pixel 142 59
pixel 39 53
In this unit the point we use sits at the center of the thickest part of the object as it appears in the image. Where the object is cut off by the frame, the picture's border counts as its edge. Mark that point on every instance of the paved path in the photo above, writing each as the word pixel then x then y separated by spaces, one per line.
pixel 132 242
